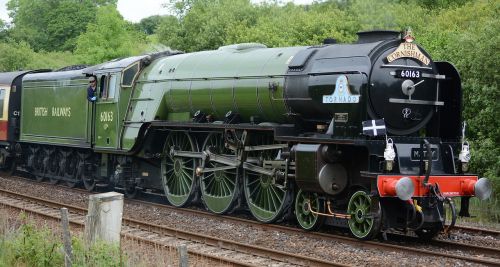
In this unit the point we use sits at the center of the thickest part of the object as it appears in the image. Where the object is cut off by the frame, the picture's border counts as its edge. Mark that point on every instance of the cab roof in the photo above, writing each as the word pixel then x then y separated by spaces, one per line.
pixel 9 77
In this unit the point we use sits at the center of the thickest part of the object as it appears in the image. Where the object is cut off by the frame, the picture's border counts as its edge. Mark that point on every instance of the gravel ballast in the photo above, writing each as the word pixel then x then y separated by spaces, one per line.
pixel 296 243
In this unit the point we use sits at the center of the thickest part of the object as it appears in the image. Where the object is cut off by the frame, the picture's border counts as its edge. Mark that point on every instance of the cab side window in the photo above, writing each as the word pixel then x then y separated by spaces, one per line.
pixel 113 81
pixel 102 87
pixel 108 86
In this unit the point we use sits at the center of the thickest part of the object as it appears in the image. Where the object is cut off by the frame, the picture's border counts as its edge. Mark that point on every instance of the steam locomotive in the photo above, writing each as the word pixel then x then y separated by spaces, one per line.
pixel 366 136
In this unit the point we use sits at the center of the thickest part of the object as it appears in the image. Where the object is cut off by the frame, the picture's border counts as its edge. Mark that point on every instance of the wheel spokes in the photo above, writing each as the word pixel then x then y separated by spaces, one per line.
pixel 178 173
pixel 305 203
pixel 219 188
pixel 361 223
pixel 266 201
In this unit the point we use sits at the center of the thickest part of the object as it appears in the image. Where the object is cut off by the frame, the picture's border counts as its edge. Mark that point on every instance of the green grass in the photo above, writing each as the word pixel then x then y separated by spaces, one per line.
pixel 39 247
pixel 24 243
pixel 483 213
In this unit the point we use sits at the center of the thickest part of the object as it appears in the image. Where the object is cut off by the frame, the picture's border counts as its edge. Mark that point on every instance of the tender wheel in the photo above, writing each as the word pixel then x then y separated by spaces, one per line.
pixel 9 166
pixel 88 179
pixel 364 222
pixel 71 171
pixel 266 199
pixel 12 168
pixel 39 178
pixel 53 167
pixel 304 202
pixel 219 189
pixel 38 165
pixel 178 175
pixel 89 182
pixel 71 184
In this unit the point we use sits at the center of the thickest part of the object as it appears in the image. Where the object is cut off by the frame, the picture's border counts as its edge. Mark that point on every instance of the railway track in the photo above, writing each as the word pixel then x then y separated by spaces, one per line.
pixel 450 246
pixel 217 249
pixel 466 252
pixel 493 253
pixel 476 230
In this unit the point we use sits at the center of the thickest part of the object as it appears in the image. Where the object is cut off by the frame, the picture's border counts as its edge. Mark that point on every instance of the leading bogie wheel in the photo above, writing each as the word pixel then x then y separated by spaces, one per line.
pixel 365 218
pixel 220 188
pixel 177 172
pixel 306 204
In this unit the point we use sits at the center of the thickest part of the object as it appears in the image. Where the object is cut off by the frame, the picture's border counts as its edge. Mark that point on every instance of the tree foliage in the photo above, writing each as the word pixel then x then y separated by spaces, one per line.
pixel 464 32
pixel 305 26
pixel 201 25
pixel 52 60
pixel 15 56
pixel 207 24
pixel 467 34
pixel 108 38
pixel 149 25
pixel 51 25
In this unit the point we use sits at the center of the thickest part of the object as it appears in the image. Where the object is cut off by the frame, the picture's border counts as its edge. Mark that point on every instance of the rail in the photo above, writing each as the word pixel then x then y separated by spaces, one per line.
pixel 494 253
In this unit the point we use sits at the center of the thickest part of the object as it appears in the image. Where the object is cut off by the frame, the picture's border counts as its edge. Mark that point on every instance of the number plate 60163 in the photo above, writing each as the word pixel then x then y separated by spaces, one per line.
pixel 408 74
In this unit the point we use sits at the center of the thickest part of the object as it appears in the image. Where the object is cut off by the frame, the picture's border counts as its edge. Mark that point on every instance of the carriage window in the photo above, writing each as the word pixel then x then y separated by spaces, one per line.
pixel 2 98
pixel 129 75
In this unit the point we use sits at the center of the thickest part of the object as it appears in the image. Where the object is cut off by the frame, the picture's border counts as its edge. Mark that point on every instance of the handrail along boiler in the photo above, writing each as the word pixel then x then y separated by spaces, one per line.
pixel 367 135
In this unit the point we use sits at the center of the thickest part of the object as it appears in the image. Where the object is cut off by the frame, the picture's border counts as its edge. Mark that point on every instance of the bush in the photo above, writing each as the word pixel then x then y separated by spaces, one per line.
pixel 108 38
pixel 15 56
pixel 52 60
pixel 471 33
pixel 29 246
